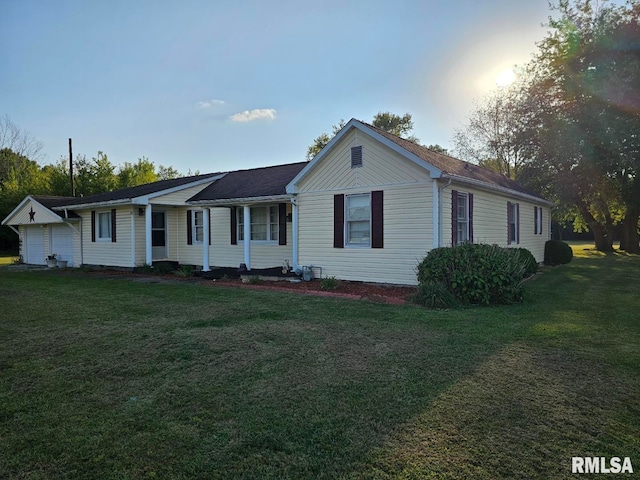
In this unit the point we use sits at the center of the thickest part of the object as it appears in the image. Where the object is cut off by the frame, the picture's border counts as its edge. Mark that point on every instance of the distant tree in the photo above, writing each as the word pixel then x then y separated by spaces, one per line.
pixel 19 141
pixel 94 176
pixel 437 148
pixel 133 174
pixel 167 173
pixel 401 126
pixel 389 122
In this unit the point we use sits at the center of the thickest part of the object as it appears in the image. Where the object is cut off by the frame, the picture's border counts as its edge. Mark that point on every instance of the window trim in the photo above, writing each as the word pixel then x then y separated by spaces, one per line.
pixel 465 221
pixel 347 237
pixel 195 227
pixel 537 220
pixel 513 218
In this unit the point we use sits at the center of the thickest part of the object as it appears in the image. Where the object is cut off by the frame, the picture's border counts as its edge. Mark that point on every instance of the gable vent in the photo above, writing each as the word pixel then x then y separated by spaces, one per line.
pixel 356 156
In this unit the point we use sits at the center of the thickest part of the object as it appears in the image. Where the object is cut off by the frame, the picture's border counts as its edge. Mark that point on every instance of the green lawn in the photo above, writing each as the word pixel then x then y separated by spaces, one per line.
pixel 113 378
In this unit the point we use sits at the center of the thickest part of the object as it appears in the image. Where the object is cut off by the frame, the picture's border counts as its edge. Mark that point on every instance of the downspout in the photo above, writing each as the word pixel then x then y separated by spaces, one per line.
pixel 294 227
pixel 439 214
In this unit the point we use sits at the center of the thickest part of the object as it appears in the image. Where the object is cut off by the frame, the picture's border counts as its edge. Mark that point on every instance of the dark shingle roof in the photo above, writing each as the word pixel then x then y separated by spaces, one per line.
pixel 256 182
pixel 51 202
pixel 139 191
pixel 453 166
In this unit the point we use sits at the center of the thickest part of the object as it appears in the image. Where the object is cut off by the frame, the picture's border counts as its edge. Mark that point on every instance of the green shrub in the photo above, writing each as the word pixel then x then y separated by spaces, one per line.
pixel 433 294
pixel 329 283
pixel 557 252
pixel 476 274
pixel 146 268
pixel 162 268
pixel 528 260
pixel 185 271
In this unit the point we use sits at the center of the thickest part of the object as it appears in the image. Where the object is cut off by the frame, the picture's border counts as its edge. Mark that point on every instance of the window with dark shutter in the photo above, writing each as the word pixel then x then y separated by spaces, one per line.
pixel 377 219
pixel 356 156
pixel 454 217
pixel 93 225
pixel 282 224
pixel 234 226
pixel 189 227
pixel 113 225
pixel 338 221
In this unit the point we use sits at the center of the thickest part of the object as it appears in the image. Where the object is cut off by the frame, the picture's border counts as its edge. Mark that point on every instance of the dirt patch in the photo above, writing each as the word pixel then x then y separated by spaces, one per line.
pixel 374 292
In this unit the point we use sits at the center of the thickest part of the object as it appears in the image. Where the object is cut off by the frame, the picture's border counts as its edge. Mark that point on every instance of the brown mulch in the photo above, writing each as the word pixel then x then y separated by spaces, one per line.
pixel 373 292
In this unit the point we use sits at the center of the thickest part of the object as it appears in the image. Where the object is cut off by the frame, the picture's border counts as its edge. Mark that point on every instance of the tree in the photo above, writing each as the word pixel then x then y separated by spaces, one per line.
pixel 141 172
pixel 586 77
pixel 389 122
pixel 491 137
pixel 438 149
pixel 395 124
pixel 18 141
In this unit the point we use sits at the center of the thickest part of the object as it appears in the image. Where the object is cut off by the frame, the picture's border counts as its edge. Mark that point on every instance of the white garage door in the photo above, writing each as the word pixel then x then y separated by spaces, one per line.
pixel 34 246
pixel 62 243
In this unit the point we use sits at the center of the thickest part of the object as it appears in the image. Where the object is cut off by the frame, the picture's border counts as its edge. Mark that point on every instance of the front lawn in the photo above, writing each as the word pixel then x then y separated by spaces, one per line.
pixel 116 378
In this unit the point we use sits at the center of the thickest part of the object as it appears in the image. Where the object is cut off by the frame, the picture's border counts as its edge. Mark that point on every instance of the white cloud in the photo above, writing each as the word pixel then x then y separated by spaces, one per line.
pixel 256 114
pixel 210 103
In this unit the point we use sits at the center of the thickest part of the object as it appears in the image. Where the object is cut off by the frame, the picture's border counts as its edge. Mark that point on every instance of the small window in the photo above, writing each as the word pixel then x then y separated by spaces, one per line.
pixel 358 220
pixel 104 226
pixel 198 226
pixel 513 221
pixel 463 218
pixel 538 220
pixel 356 156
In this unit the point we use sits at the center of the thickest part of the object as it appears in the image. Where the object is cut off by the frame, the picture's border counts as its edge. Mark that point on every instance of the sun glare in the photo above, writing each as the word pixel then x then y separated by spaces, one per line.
pixel 506 77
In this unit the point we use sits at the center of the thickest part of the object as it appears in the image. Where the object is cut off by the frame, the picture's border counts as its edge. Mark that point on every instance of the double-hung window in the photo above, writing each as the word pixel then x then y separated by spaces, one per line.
pixel 463 218
pixel 104 226
pixel 537 215
pixel 198 226
pixel 264 223
pixel 358 220
pixel 513 223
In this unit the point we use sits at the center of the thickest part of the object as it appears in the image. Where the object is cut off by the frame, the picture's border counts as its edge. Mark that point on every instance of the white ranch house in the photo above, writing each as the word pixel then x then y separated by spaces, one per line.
pixel 368 207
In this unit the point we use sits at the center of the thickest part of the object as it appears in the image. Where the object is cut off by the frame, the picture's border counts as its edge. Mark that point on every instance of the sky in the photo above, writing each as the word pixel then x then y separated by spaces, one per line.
pixel 216 85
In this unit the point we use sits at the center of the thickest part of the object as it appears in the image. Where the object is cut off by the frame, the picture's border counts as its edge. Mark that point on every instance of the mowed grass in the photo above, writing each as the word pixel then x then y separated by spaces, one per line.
pixel 114 378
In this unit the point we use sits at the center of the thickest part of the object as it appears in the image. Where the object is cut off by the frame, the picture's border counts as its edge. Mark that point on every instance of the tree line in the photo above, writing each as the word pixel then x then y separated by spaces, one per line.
pixel 22 175
pixel 569 127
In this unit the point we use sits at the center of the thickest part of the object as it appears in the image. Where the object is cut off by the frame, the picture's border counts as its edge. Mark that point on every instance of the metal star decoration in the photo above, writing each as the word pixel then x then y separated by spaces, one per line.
pixel 32 215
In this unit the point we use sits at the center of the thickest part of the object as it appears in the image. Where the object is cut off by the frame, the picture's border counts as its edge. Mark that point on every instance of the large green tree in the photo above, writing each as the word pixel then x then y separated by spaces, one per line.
pixel 401 126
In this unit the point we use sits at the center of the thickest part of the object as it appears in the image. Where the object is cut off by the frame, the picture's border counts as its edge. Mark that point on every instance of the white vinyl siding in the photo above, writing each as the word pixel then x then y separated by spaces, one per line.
pixel 115 254
pixel 408 235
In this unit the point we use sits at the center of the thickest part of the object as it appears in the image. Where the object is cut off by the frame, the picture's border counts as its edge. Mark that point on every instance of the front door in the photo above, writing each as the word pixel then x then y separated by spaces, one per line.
pixel 159 235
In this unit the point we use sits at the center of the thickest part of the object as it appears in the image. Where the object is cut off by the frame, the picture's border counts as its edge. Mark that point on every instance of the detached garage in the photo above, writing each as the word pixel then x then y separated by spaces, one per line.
pixel 44 232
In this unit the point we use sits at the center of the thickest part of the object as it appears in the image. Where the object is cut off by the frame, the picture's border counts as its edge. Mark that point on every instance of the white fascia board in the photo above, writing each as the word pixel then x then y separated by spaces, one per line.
pixel 240 201
pixel 434 172
pixel 497 188
pixel 22 204
pixel 144 200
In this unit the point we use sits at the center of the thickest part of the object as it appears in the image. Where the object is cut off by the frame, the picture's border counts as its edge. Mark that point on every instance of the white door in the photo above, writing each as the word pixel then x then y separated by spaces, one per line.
pixel 33 250
pixel 61 237
pixel 158 235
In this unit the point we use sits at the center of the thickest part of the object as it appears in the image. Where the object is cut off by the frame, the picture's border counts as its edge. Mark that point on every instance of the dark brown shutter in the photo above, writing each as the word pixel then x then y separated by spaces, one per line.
pixel 518 223
pixel 282 224
pixel 454 217
pixel 356 156
pixel 189 227
pixel 113 224
pixel 338 221
pixel 535 220
pixel 234 226
pixel 93 225
pixel 509 221
pixel 377 219
pixel 471 217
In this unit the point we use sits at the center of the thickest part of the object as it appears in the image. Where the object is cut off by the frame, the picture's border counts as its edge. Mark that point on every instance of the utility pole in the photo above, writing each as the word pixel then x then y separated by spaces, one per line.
pixel 73 188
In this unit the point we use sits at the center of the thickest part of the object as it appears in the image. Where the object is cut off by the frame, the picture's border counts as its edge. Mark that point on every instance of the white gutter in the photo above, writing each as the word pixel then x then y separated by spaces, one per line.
pixel 242 200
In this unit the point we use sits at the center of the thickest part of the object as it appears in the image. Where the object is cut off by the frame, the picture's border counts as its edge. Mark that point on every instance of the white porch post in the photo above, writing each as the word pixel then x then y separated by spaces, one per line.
pixel 294 227
pixel 205 240
pixel 436 213
pixel 147 236
pixel 247 236
pixel 133 236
